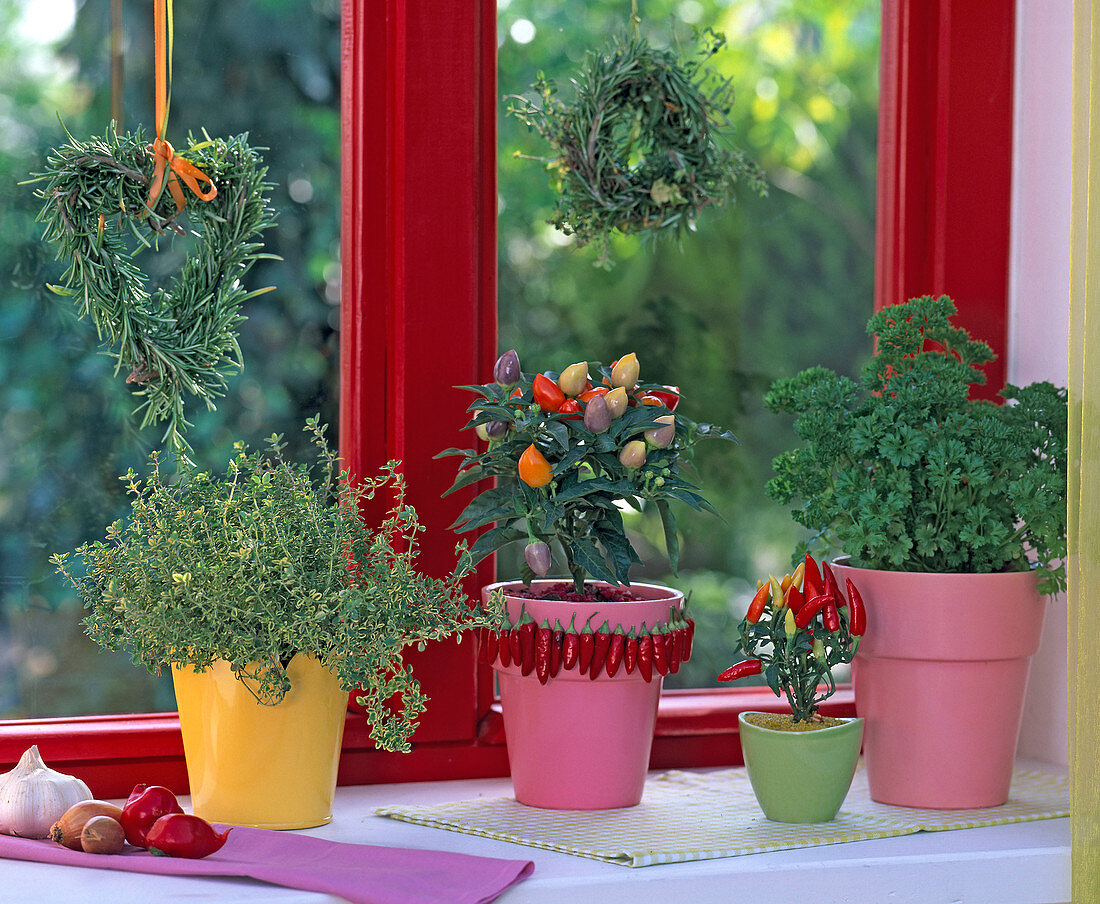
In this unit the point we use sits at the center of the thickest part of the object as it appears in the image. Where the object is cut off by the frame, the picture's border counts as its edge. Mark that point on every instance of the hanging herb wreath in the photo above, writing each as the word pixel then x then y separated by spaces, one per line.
pixel 642 148
pixel 181 339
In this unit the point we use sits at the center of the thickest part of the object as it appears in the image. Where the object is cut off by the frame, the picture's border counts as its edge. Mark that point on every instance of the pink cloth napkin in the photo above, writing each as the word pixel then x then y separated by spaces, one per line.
pixel 361 873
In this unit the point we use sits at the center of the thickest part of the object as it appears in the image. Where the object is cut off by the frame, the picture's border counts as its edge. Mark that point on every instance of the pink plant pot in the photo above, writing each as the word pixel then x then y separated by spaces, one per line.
pixel 578 743
pixel 940 679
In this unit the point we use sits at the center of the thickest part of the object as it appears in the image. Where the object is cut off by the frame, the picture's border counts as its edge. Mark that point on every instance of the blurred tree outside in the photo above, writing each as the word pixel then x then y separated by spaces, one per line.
pixel 267 67
pixel 763 289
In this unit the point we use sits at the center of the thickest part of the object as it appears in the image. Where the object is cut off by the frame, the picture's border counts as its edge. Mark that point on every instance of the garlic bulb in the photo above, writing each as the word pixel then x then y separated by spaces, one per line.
pixel 33 796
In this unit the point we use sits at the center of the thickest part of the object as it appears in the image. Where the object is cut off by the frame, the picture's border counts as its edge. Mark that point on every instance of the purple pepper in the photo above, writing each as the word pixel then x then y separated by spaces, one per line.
pixel 597 416
pixel 496 429
pixel 506 370
pixel 537 555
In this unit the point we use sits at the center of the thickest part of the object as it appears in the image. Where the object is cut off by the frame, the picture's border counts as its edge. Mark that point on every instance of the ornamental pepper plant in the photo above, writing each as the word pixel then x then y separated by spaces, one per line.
pixel 903 471
pixel 796 630
pixel 568 450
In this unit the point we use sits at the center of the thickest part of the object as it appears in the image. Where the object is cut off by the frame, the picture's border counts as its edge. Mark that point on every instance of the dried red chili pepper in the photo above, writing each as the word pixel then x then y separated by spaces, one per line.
pixel 544 639
pixel 759 601
pixel 630 652
pixel 688 640
pixel 570 646
pixel 672 650
pixel 526 631
pixel 857 613
pixel 742 670
pixel 513 646
pixel 601 643
pixel 504 647
pixel 616 651
pixel 645 654
pixel 660 660
pixel 555 648
pixel 587 645
pixel 808 612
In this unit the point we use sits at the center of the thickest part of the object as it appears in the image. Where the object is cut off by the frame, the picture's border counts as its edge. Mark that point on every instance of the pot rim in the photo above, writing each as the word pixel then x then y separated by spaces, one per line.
pixel 672 591
pixel 845 561
pixel 845 722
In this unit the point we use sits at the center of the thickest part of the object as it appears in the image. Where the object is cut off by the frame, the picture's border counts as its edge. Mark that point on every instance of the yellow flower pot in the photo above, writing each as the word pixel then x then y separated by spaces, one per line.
pixel 273 767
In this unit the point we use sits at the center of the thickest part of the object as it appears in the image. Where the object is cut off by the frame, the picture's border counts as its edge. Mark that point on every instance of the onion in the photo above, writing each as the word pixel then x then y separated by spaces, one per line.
pixel 67 829
pixel 102 835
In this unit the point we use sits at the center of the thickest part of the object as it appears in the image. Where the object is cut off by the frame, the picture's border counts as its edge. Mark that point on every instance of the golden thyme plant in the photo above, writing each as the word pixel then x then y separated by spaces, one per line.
pixel 266 561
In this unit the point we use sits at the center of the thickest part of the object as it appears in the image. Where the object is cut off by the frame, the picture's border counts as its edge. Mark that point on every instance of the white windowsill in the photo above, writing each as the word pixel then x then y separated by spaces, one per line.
pixel 1025 863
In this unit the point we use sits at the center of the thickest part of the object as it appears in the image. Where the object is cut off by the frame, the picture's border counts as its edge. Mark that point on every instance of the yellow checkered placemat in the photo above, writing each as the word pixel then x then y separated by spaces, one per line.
pixel 700 816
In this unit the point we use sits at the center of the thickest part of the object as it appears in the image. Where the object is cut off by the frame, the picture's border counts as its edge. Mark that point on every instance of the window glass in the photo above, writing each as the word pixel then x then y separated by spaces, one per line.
pixel 267 68
pixel 762 290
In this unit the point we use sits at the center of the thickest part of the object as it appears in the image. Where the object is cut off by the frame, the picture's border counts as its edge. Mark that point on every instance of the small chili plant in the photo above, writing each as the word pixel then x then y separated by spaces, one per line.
pixel 795 631
pixel 568 449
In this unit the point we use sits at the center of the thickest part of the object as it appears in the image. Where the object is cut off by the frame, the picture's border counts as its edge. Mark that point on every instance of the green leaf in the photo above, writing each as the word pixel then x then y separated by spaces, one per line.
pixel 672 541
pixel 585 554
pixel 465 478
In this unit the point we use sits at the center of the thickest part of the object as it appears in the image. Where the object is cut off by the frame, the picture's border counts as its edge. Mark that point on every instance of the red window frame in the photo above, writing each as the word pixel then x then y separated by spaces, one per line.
pixel 419 316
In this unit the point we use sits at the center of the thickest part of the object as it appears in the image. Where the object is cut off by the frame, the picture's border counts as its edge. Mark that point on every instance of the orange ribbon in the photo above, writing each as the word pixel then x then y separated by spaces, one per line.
pixel 168 167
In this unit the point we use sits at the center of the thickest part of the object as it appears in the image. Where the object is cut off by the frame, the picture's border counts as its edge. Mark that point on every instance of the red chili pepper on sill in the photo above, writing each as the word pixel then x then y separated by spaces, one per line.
pixel 146 804
pixel 630 652
pixel 808 612
pixel 555 648
pixel 857 613
pixel 756 607
pixel 830 618
pixel 601 644
pixel 660 660
pixel 672 650
pixel 183 835
pixel 616 651
pixel 588 642
pixel 570 646
pixel 645 654
pixel 526 632
pixel 742 670
pixel 544 639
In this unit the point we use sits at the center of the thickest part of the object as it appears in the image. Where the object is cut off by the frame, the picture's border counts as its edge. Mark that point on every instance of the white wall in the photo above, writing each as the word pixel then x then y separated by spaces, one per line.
pixel 1038 338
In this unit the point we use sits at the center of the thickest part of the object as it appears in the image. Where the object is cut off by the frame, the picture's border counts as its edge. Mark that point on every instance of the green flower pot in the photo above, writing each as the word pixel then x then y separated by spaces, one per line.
pixel 801 776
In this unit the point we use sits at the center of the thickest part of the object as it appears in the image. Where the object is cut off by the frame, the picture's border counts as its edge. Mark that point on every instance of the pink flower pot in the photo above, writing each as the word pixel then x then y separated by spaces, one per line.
pixel 578 743
pixel 940 679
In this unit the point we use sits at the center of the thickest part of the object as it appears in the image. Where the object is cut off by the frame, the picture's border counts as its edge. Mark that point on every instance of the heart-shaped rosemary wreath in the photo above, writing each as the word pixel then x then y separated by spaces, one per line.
pixel 175 340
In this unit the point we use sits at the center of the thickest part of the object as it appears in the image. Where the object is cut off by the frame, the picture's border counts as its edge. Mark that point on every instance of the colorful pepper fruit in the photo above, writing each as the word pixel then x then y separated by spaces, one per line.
pixel 574 378
pixel 759 601
pixel 526 631
pixel 632 455
pixel 506 371
pixel 571 408
pixel 660 660
pixel 617 402
pixel 534 469
pixel 548 395
pixel 556 649
pixel 570 646
pixel 630 652
pixel 625 371
pixel 597 416
pixel 588 642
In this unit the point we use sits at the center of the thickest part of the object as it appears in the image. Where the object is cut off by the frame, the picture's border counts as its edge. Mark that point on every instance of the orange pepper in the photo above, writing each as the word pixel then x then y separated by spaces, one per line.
pixel 534 469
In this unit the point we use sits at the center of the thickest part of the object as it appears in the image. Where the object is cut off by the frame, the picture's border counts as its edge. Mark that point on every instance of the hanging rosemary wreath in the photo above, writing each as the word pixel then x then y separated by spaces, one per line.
pixel 175 340
pixel 643 147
